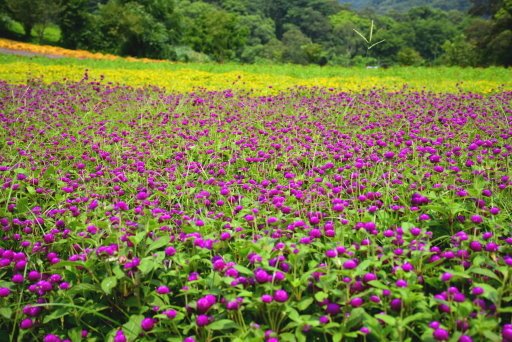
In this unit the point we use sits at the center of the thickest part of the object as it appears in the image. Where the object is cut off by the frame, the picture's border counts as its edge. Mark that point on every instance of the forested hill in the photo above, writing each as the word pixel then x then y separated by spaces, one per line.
pixel 386 6
pixel 276 31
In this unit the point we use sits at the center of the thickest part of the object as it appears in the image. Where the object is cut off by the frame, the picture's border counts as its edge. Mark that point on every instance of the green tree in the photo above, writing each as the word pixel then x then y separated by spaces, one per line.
pixel 459 52
pixel 408 56
pixel 33 12
pixel 214 31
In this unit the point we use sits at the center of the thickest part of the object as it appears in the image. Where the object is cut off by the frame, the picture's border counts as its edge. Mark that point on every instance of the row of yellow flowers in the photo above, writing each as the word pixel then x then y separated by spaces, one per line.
pixel 184 80
pixel 187 79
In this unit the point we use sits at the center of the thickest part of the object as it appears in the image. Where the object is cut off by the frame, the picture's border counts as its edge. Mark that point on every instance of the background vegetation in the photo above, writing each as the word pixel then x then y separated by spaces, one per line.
pixel 471 33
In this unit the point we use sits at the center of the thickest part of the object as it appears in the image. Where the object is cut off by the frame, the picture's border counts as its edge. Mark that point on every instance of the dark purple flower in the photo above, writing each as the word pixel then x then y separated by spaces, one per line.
pixel 147 324
pixel 441 334
pixel 280 296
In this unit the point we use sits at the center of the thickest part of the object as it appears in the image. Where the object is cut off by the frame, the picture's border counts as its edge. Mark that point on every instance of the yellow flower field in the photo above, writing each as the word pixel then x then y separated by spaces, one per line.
pixel 258 79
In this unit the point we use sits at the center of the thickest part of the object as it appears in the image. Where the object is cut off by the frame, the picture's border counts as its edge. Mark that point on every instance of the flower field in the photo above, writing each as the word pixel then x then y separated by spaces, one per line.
pixel 311 214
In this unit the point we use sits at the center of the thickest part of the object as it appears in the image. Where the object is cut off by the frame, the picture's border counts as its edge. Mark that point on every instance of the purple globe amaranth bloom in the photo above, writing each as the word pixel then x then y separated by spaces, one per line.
pixel 401 283
pixel 441 334
pixel 147 324
pixel 506 333
pixel 396 304
pixel 120 337
pixel 332 309
pixel 162 289
pixel 4 291
pixel 170 313
pixel 26 323
pixel 266 298
pixel 350 264
pixel 280 296
pixel 202 320
pixel 446 276
pixel 477 291
pixel 477 219
pixel 356 302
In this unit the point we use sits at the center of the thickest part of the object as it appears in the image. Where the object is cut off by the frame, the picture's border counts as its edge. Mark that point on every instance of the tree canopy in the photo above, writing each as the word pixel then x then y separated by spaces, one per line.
pixel 476 33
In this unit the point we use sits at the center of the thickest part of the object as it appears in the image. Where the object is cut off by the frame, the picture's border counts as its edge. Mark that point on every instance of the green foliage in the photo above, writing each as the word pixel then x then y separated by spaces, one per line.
pixel 409 56
pixel 459 52
pixel 34 12
pixel 280 31
pixel 213 31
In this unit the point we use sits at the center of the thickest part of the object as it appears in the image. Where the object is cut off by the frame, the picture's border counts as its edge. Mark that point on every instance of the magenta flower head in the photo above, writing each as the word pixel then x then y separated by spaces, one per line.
pixel 356 302
pixel 281 296
pixel 202 320
pixel 396 304
pixel 349 264
pixel 446 276
pixel 332 309
pixel 441 334
pixel 465 338
pixel 162 290
pixel 477 291
pixel 266 298
pixel 120 336
pixel 27 323
pixel 170 251
pixel 506 333
pixel 171 313
pixel 4 291
pixel 477 219
pixel 147 324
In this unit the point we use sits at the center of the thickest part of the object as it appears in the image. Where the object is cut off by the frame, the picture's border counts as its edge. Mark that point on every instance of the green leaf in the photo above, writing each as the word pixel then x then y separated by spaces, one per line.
pixel 378 284
pixel 108 284
pixel 222 324
pixel 146 265
pixel 132 328
pixel 320 296
pixel 6 312
pixel 161 242
pixel 491 336
pixel 304 304
pixel 337 336
pixel 485 272
pixel 243 270
pixel 75 334
pixel 287 337
pixel 58 313
pixel 416 317
pixel 389 320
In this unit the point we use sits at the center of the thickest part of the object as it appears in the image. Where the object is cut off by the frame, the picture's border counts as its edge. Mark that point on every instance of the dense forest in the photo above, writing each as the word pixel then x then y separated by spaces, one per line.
pixel 384 6
pixel 477 33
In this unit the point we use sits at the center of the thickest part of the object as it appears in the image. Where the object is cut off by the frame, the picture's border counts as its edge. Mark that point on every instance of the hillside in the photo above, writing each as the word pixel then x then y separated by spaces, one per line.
pixel 384 6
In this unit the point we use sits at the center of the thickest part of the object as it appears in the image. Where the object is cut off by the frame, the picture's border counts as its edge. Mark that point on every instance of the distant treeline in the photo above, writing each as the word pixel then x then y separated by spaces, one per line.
pixel 275 31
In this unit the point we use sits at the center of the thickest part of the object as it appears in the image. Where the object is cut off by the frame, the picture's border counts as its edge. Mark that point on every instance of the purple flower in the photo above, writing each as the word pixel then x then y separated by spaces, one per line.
pixel 202 320
pixel 441 334
pixel 477 219
pixel 477 291
pixel 4 291
pixel 26 323
pixel 332 309
pixel 281 296
pixel 446 276
pixel 349 264
pixel 147 324
pixel 162 290
pixel 171 313
pixel 356 302
pixel 266 298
